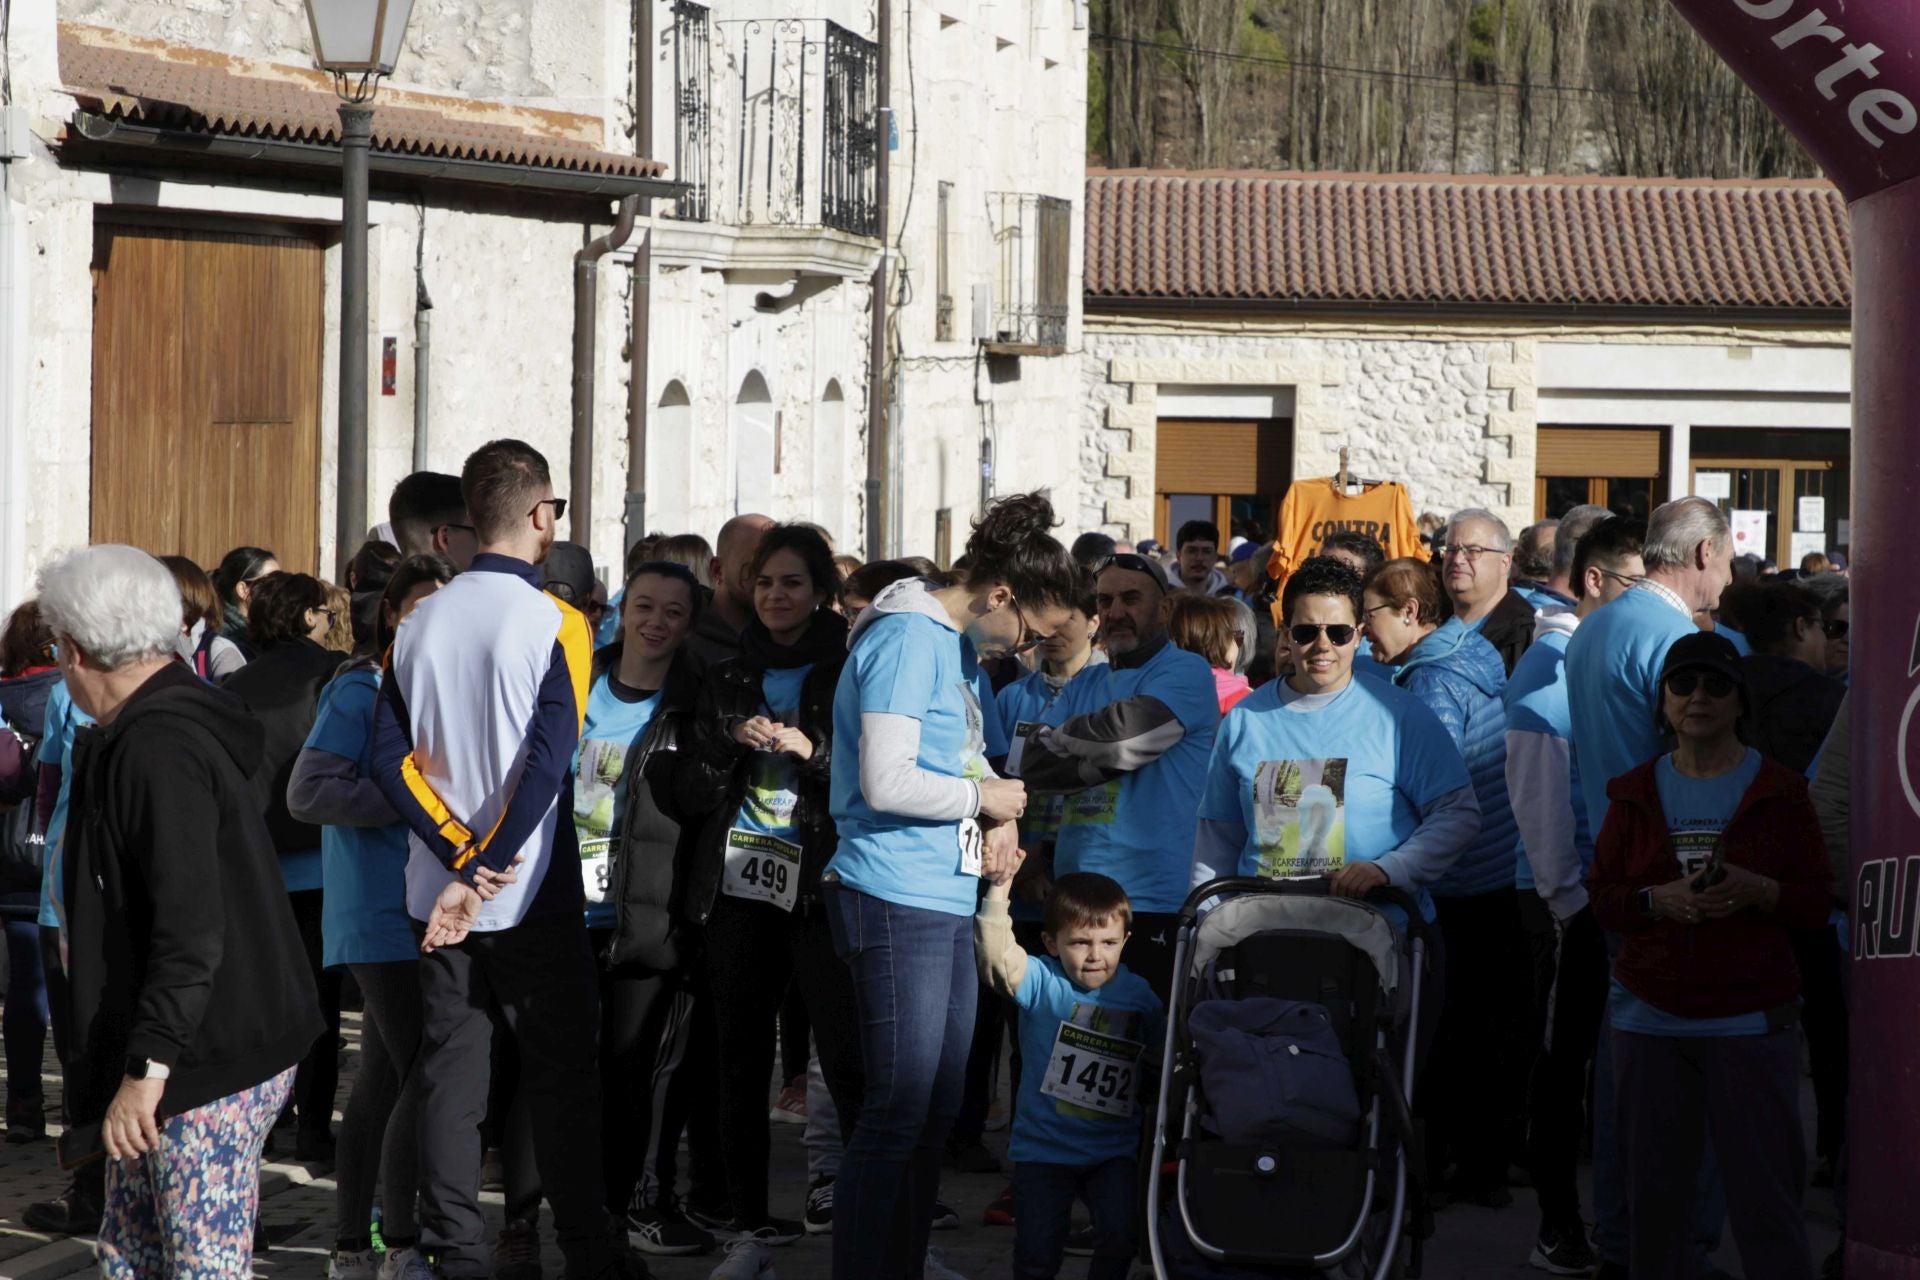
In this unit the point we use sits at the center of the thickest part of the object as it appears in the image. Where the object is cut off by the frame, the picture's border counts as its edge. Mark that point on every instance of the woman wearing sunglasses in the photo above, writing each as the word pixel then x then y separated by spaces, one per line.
pixel 1321 774
pixel 1709 855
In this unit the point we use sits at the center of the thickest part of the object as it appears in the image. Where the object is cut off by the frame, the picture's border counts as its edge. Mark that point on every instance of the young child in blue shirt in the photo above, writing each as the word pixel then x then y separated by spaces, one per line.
pixel 1089 1030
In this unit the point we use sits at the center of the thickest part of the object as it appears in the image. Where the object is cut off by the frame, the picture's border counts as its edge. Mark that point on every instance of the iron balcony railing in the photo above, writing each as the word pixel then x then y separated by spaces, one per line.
pixel 777 122
pixel 1033 245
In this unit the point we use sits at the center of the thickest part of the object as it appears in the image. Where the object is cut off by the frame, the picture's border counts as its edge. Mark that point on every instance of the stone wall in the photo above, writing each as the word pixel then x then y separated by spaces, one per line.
pixel 1451 418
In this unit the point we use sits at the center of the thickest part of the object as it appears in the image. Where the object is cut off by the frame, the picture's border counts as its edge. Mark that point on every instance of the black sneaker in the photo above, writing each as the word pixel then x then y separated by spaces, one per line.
pixel 943 1217
pixel 516 1252
pixel 716 1218
pixel 70 1214
pixel 1610 1271
pixel 1080 1242
pixel 662 1229
pixel 819 1216
pixel 774 1232
pixel 1563 1251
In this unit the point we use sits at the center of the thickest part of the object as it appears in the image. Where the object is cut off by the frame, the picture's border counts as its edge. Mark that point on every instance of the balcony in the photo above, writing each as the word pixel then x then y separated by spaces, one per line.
pixel 775 136
pixel 1033 247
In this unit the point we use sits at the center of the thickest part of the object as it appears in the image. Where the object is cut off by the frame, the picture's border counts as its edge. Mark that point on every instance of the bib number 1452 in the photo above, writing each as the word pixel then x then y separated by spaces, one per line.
pixel 1093 1071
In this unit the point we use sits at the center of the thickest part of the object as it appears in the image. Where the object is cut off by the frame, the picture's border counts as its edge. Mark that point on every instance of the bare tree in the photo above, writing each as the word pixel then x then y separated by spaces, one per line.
pixel 1211 31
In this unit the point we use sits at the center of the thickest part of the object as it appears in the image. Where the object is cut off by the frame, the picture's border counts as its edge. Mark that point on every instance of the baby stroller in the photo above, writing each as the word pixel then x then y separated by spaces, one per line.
pixel 1284 1110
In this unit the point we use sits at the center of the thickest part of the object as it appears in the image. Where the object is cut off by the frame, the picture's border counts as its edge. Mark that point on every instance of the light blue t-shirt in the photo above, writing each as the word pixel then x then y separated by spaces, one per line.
pixel 1697 811
pixel 1613 687
pixel 609 629
pixel 616 717
pixel 363 870
pixel 1082 1047
pixel 909 664
pixel 773 793
pixel 1737 639
pixel 56 749
pixel 1138 828
pixel 1536 701
pixel 1347 780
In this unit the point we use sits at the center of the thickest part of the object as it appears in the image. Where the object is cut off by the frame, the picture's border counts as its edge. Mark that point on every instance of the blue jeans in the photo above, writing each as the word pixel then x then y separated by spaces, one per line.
pixel 914 990
pixel 1610 1226
pixel 25 1026
pixel 1043 1210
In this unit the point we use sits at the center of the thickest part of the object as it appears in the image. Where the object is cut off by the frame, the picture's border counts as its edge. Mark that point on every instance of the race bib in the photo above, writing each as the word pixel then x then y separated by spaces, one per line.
pixel 971 840
pixel 596 868
pixel 1093 1071
pixel 761 868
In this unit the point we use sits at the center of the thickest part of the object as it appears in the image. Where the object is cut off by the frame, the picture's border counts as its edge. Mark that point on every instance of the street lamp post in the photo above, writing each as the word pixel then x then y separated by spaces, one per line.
pixel 357 41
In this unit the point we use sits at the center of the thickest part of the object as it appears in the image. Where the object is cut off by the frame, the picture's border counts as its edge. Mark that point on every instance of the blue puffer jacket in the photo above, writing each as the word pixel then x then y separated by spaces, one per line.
pixel 1460 676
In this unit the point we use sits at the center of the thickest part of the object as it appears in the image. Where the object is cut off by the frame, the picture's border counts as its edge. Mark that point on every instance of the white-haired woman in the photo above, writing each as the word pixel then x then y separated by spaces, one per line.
pixel 190 1000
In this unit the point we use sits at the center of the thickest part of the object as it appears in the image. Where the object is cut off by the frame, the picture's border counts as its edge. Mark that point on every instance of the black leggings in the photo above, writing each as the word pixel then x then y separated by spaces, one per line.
pixel 752 947
pixel 318 1076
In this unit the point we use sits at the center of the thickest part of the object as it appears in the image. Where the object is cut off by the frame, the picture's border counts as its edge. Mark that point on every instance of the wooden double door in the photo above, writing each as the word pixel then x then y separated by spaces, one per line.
pixel 207 351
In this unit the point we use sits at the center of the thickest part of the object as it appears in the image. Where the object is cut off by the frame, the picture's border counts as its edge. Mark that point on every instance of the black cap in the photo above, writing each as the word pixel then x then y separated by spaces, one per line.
pixel 1090 549
pixel 568 573
pixel 1703 650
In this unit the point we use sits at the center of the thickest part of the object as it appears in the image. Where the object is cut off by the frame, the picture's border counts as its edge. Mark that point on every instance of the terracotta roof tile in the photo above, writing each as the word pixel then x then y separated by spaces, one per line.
pixel 1425 239
pixel 154 83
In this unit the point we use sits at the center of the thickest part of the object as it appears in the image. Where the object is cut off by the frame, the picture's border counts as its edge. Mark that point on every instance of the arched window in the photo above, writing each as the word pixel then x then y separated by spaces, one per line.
pixel 670 461
pixel 755 446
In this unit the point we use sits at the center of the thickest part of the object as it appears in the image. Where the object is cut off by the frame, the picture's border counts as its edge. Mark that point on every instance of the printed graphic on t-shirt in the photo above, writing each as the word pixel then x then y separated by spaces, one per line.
pixel 1693 845
pixel 1098 804
pixel 771 796
pixel 1093 1072
pixel 1300 816
pixel 594 793
pixel 974 752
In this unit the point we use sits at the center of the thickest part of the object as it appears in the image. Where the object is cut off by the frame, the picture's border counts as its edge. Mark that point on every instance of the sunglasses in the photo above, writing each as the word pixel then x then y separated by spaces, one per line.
pixel 1304 633
pixel 559 506
pixel 1134 563
pixel 1682 684
pixel 1835 629
pixel 1028 636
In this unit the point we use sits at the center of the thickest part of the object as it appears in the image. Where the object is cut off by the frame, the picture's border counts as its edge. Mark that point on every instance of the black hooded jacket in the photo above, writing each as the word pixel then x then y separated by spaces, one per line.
pixel 650 848
pixel 715 775
pixel 281 688
pixel 1793 708
pixel 182 946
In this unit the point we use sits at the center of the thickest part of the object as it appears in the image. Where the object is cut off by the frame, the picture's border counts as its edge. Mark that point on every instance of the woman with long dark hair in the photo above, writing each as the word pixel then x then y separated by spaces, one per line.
pixel 234 579
pixel 760 773
pixel 920 817
pixel 366 930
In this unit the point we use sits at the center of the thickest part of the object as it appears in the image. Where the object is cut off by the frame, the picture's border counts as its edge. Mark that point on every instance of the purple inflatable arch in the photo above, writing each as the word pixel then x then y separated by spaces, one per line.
pixel 1844 75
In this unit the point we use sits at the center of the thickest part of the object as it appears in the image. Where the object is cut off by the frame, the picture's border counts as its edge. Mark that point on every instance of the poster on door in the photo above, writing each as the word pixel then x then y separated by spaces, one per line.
pixel 1300 816
pixel 1749 533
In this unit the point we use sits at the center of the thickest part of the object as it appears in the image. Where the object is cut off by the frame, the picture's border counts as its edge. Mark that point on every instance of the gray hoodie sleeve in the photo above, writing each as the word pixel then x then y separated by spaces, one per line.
pixel 1834 805
pixel 892 780
pixel 327 790
pixel 1540 780
pixel 1446 827
pixel 1101 745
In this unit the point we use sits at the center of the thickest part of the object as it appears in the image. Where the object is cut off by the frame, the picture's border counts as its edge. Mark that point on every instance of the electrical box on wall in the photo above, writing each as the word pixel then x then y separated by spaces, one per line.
pixel 983 313
pixel 16 139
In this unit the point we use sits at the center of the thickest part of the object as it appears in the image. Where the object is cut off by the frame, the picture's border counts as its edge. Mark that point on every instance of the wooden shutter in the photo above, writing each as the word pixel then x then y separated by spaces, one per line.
pixel 1222 457
pixel 1600 451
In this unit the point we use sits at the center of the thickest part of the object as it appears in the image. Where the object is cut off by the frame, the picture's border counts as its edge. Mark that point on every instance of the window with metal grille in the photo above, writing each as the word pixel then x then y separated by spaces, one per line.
pixel 692 99
pixel 942 286
pixel 1033 248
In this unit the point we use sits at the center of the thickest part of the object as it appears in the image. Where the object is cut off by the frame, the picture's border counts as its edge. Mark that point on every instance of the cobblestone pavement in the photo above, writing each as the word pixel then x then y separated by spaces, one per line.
pixel 297 1209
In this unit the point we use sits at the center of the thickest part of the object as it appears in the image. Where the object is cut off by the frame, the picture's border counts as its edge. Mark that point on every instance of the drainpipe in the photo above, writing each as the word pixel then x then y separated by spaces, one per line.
pixel 880 440
pixel 422 345
pixel 637 397
pixel 586 297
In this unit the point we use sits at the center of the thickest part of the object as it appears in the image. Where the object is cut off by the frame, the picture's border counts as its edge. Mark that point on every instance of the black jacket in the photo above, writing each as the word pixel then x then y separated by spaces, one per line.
pixel 23 700
pixel 281 688
pixel 1793 708
pixel 650 847
pixel 1509 628
pixel 181 944
pixel 715 775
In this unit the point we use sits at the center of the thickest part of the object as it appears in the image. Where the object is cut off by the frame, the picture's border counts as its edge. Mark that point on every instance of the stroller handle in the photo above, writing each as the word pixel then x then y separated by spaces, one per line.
pixel 1317 887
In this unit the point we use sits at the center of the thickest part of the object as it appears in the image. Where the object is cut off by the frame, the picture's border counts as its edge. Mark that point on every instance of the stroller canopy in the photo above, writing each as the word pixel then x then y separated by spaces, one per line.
pixel 1239 918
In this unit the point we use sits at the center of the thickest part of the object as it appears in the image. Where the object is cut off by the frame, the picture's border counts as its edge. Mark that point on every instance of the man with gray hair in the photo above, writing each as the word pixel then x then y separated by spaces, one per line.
pixel 1613 686
pixel 1478 561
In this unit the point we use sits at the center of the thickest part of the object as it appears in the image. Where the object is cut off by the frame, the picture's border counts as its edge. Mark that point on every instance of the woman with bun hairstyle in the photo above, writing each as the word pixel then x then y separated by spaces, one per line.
pixel 920 817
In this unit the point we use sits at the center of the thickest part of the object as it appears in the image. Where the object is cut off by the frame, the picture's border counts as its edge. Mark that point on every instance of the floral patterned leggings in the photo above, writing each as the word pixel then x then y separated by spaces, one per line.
pixel 186 1211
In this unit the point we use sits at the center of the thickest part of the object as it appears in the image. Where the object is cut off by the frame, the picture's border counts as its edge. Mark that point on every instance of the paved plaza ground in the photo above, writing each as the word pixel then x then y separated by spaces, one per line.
pixel 297 1208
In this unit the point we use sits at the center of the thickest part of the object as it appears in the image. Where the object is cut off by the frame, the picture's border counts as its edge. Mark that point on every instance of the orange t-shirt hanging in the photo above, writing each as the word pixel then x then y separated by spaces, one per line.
pixel 1315 508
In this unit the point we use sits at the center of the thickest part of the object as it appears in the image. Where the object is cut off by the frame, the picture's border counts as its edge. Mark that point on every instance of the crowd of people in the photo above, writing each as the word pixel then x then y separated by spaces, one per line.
pixel 844 830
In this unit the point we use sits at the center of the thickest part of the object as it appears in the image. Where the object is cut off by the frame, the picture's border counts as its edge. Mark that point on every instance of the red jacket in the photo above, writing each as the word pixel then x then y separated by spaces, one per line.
pixel 1718 968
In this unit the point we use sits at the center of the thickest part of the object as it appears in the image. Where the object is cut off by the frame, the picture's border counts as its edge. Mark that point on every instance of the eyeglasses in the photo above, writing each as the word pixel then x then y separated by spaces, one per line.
pixel 448 524
pixel 1682 684
pixel 1304 633
pixel 1625 579
pixel 1368 613
pixel 333 615
pixel 1834 629
pixel 559 506
pixel 1028 637
pixel 1133 563
pixel 1470 553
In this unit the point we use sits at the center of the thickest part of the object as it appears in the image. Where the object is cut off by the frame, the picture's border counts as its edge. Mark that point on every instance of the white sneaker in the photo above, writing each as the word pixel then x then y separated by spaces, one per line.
pixel 405 1264
pixel 353 1264
pixel 747 1259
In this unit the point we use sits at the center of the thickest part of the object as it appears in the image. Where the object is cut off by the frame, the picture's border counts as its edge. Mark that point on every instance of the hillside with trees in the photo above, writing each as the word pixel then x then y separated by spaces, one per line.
pixel 1465 86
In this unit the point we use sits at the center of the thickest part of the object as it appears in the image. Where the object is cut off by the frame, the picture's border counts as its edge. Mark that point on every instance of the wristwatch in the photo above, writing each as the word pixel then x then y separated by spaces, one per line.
pixel 147 1069
pixel 1645 899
